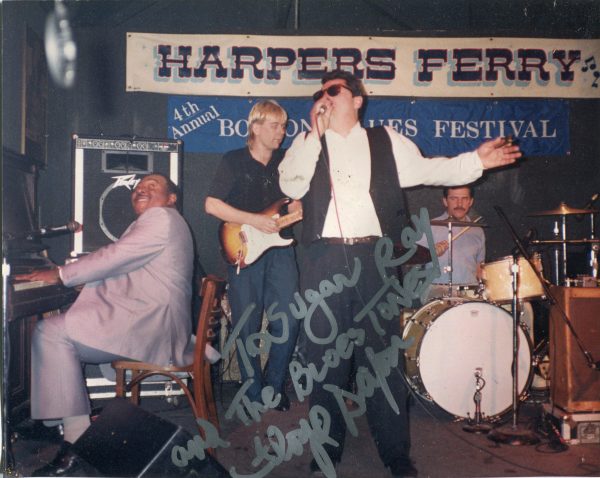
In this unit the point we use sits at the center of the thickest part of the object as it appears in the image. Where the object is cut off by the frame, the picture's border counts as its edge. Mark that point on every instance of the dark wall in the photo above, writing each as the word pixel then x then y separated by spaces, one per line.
pixel 99 104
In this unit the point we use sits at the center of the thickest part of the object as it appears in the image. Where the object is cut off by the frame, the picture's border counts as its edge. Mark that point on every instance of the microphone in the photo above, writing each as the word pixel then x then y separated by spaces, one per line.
pixel 72 226
pixel 529 236
pixel 588 205
pixel 592 200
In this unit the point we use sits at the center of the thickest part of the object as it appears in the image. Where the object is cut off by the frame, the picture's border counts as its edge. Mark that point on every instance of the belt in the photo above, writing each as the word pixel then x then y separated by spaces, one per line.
pixel 350 241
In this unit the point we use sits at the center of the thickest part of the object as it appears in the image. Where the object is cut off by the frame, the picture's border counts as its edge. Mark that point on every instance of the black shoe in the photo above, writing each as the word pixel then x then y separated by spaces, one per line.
pixel 65 463
pixel 403 467
pixel 284 403
pixel 36 430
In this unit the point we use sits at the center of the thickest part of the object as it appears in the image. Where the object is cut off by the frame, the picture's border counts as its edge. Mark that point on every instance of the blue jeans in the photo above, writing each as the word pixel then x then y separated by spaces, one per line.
pixel 273 279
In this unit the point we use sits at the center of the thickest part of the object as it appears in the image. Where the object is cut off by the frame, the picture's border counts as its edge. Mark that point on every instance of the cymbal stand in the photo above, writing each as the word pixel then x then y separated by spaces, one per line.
pixel 556 264
pixel 595 247
pixel 449 257
pixel 564 248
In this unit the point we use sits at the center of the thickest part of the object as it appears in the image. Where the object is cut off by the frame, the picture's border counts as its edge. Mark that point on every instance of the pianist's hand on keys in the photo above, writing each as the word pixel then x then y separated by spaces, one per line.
pixel 49 276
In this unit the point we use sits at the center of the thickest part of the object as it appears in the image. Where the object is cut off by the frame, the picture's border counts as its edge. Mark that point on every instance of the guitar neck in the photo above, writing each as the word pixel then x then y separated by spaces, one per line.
pixel 288 219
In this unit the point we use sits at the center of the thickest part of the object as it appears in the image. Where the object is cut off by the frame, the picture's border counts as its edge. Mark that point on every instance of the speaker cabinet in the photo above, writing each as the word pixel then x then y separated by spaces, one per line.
pixel 574 386
pixel 126 440
pixel 106 171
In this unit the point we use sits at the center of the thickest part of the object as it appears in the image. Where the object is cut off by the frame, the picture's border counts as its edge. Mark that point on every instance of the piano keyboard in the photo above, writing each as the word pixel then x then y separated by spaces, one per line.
pixel 26 285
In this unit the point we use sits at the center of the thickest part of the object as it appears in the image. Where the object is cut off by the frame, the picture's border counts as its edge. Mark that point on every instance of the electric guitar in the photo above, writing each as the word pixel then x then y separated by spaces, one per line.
pixel 243 244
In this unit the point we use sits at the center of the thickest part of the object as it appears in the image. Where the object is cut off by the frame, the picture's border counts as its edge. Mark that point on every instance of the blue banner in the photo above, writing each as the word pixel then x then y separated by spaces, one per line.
pixel 438 127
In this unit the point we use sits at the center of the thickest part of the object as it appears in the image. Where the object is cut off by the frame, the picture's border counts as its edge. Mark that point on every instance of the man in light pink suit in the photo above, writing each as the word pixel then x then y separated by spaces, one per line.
pixel 135 305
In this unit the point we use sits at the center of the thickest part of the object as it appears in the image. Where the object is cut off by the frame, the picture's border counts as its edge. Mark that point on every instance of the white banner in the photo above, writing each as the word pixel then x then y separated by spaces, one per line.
pixel 271 66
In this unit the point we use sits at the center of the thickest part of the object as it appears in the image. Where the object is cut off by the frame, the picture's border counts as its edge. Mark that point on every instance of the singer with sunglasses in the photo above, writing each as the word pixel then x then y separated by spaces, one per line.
pixel 350 180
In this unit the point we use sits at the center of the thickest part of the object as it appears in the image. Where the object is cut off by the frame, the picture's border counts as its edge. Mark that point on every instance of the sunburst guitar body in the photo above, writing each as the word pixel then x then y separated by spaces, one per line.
pixel 243 244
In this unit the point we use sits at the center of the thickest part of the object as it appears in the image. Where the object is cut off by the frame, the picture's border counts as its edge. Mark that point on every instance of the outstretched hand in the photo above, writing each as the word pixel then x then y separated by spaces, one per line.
pixel 498 152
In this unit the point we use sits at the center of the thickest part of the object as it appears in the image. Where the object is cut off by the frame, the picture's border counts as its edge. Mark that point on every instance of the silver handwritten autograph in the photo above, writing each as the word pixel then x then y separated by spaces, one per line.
pixel 385 304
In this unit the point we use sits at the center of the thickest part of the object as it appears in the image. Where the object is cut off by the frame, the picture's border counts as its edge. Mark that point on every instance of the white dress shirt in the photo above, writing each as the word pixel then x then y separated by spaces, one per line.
pixel 351 212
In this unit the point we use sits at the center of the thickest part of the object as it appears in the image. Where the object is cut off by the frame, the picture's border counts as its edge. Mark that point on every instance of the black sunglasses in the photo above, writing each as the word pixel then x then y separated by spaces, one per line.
pixel 333 90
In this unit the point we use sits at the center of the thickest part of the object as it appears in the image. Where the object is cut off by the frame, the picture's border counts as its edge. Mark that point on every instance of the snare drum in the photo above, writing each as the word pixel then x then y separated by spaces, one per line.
pixel 439 291
pixel 454 339
pixel 497 279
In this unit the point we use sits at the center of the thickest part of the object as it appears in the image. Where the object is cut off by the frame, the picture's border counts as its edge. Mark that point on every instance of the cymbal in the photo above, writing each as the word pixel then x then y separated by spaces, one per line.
pixel 456 223
pixel 563 210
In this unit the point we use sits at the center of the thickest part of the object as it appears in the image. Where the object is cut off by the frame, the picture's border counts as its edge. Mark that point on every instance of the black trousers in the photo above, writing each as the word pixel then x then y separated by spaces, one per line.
pixel 338 308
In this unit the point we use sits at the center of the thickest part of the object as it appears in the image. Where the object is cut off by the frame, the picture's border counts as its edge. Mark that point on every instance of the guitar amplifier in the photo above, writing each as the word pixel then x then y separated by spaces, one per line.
pixel 106 170
pixel 574 386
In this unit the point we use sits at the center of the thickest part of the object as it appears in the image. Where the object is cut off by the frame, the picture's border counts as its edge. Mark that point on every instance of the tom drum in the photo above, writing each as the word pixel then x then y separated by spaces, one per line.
pixel 497 279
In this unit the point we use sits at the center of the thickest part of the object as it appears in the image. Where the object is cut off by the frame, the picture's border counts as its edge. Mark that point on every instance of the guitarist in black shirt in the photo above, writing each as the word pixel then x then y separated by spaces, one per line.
pixel 245 187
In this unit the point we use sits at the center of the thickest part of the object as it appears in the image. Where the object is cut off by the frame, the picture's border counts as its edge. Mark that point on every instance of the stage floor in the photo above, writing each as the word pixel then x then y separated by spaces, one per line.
pixel 440 447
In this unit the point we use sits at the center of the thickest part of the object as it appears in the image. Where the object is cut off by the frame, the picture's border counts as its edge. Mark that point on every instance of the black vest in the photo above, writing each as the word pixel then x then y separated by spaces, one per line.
pixel 385 190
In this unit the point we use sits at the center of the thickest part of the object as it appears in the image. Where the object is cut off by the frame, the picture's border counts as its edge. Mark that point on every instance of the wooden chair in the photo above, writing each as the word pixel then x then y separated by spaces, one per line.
pixel 201 398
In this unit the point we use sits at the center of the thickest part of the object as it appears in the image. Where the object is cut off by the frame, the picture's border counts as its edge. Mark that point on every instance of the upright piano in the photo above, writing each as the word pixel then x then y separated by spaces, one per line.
pixel 23 302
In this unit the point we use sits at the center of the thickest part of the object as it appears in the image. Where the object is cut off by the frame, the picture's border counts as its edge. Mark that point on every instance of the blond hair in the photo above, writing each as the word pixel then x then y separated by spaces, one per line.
pixel 262 111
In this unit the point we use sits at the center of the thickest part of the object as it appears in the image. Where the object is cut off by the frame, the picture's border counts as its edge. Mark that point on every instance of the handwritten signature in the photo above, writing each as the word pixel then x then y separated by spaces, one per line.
pixel 385 304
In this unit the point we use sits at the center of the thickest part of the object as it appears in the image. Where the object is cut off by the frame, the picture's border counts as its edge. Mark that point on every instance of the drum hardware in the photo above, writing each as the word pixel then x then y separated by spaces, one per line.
pixel 582 281
pixel 450 268
pixel 595 249
pixel 476 425
pixel 556 232
pixel 564 210
pixel 457 223
pixel 568 241
pixel 513 434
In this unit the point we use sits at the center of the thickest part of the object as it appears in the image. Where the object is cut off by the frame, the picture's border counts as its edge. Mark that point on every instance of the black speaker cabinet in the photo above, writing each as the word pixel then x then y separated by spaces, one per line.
pixel 106 170
pixel 574 386
pixel 126 440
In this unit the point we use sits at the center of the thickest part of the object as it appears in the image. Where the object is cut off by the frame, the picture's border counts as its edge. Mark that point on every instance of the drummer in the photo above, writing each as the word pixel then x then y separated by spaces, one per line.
pixel 468 249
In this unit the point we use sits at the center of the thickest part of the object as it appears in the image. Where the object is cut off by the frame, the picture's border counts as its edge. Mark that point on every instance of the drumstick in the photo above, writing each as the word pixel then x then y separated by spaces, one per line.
pixel 465 230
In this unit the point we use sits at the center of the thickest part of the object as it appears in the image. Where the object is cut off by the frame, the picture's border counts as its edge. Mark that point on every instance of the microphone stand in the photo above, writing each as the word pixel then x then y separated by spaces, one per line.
pixel 514 434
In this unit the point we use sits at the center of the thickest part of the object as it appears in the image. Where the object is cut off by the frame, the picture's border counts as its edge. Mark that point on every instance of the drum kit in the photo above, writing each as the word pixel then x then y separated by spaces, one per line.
pixel 464 349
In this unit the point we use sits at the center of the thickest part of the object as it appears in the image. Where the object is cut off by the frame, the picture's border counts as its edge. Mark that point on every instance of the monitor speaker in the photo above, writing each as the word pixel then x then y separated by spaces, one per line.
pixel 106 170
pixel 126 440
pixel 574 385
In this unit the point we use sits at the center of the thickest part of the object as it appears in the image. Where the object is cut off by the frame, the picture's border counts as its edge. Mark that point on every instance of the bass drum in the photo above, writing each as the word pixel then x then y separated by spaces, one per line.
pixel 453 339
